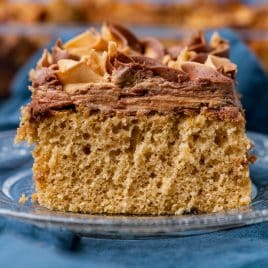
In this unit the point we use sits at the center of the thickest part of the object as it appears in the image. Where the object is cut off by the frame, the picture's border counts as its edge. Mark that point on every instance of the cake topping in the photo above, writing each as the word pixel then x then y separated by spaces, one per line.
pixel 201 48
pixel 220 47
pixel 152 48
pixel 94 57
pixel 124 37
pixel 114 70
pixel 222 65
pixel 198 43
pixel 45 78
pixel 59 53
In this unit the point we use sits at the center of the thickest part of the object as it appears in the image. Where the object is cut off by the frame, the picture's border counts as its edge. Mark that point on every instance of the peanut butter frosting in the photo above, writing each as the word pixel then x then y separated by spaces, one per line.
pixel 113 71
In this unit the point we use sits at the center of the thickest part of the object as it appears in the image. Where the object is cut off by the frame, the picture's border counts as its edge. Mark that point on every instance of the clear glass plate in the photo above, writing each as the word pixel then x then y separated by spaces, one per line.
pixel 16 179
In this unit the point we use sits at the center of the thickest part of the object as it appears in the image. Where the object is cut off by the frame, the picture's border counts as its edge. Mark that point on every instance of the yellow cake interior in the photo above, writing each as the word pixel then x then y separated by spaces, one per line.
pixel 154 164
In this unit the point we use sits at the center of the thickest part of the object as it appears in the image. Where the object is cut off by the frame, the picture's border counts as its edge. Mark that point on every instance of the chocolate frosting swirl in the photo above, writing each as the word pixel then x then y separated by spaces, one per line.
pixel 153 48
pixel 217 47
pixel 126 37
pixel 140 77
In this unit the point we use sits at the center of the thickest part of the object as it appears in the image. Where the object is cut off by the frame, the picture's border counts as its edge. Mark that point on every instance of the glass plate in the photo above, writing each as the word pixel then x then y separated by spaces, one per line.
pixel 18 180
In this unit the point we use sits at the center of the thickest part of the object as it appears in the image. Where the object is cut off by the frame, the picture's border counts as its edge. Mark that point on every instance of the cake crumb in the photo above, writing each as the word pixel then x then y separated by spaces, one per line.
pixel 23 199
pixel 34 198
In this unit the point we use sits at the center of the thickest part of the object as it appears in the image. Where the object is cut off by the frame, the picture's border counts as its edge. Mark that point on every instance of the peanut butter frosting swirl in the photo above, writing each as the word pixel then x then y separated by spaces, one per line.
pixel 113 71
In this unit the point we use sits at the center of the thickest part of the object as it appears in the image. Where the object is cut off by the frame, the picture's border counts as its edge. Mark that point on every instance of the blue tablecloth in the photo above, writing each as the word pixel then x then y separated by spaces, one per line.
pixel 26 246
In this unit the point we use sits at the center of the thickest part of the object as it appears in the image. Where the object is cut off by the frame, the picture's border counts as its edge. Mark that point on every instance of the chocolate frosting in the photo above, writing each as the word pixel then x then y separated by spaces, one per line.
pixel 217 47
pixel 138 80
pixel 124 36
pixel 46 78
pixel 153 48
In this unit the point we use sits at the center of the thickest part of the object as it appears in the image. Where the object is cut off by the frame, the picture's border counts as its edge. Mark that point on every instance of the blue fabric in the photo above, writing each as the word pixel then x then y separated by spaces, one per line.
pixel 244 247
pixel 27 246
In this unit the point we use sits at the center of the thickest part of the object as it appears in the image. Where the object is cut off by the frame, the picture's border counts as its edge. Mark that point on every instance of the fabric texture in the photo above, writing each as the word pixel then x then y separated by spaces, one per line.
pixel 23 245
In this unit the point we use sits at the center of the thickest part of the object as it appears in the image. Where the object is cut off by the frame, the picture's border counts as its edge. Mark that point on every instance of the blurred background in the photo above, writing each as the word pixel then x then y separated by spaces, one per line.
pixel 26 26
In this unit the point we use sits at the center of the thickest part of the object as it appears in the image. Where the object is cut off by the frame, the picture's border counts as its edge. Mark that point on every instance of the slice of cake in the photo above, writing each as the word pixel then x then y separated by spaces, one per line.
pixel 125 125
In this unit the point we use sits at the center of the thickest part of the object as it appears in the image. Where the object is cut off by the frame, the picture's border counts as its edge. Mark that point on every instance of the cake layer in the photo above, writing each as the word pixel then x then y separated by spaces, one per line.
pixel 158 164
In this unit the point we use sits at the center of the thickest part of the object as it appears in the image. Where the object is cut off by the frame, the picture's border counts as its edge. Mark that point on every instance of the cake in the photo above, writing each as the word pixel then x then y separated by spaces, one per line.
pixel 124 125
